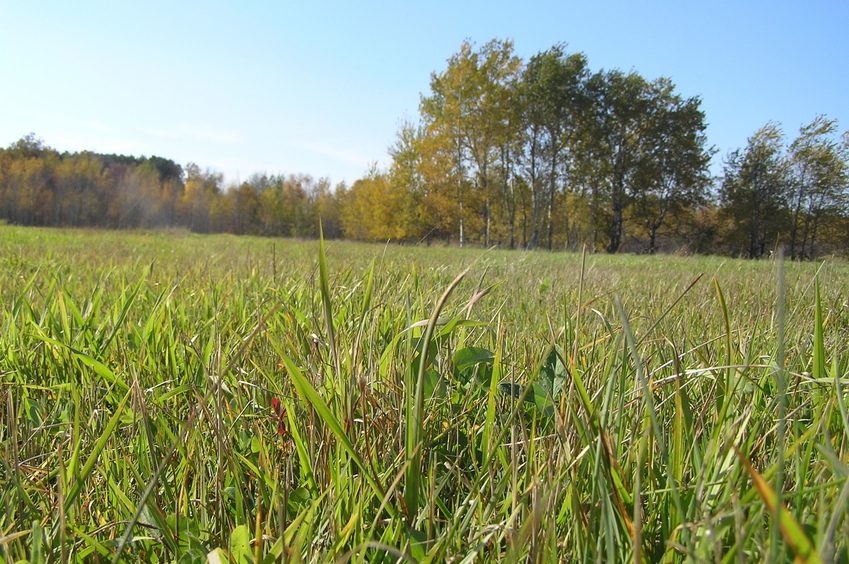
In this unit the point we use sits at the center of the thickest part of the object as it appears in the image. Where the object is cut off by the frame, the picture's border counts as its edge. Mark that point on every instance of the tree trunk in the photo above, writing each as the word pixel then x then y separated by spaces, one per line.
pixel 550 213
pixel 617 204
pixel 614 233
pixel 533 241
pixel 552 182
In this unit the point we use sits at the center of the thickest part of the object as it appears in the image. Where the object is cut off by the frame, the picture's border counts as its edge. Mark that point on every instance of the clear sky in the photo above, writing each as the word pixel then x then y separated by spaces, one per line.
pixel 320 87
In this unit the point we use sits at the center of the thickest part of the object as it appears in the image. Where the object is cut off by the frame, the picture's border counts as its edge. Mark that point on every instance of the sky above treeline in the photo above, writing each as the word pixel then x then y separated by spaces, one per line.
pixel 321 87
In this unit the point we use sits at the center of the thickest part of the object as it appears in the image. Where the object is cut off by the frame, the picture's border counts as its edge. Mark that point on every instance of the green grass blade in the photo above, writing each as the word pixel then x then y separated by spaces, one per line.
pixel 99 368
pixel 792 532
pixel 819 361
pixel 311 396
pixel 415 408
pixel 98 447
pixel 324 286
pixel 651 410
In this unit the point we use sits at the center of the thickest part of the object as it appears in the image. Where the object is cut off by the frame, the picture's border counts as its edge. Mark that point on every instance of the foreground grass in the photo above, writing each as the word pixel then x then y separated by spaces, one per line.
pixel 667 408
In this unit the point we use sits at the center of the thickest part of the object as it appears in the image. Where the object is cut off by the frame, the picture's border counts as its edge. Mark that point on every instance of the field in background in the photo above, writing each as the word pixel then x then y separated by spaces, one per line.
pixel 167 395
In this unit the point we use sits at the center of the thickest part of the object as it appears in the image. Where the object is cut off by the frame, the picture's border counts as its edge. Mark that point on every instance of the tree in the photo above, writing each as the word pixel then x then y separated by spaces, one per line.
pixel 202 189
pixel 26 181
pixel 553 103
pixel 818 189
pixel 442 187
pixel 141 198
pixel 272 206
pixel 328 205
pixel 245 210
pixel 80 192
pixel 28 147
pixel 408 182
pixel 754 190
pixel 375 209
pixel 467 117
pixel 167 169
pixel 671 173
pixel 612 145
pixel 27 193
pixel 445 148
pixel 641 152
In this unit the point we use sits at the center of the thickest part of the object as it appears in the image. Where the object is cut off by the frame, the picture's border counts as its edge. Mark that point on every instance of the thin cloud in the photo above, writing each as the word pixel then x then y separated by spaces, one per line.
pixel 342 155
pixel 205 134
pixel 72 142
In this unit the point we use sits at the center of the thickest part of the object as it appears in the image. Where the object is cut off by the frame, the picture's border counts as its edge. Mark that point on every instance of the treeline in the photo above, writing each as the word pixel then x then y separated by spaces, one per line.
pixel 40 186
pixel 543 153
pixel 547 153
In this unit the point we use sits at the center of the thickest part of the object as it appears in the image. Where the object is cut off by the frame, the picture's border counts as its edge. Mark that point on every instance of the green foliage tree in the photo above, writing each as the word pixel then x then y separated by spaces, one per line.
pixel 245 213
pixel 819 186
pixel 614 143
pixel 27 147
pixel 510 151
pixel 329 206
pixel 317 193
pixel 406 177
pixel 754 190
pixel 273 213
pixel 553 103
pixel 671 172
pixel 544 154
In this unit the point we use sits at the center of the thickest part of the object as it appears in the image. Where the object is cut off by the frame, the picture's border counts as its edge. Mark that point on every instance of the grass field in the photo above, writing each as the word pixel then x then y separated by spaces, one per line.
pixel 168 397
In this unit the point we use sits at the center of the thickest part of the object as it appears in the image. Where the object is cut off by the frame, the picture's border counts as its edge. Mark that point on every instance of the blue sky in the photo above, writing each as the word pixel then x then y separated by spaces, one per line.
pixel 321 87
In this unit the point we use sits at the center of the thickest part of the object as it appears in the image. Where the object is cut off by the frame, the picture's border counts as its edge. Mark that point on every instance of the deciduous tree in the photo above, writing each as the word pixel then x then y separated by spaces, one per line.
pixel 202 189
pixel 818 190
pixel 467 115
pixel 754 190
pixel 553 103
pixel 671 175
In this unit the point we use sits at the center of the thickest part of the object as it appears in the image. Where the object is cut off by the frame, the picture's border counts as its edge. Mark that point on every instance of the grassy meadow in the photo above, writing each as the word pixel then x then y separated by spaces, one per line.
pixel 168 397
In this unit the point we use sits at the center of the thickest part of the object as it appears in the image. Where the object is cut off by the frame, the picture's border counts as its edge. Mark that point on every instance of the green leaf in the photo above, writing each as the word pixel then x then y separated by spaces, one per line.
pixel 541 399
pixel 88 467
pixel 415 409
pixel 474 362
pixel 434 384
pixel 819 367
pixel 36 553
pixel 418 544
pixel 240 545
pixel 324 286
pixel 553 375
pixel 471 356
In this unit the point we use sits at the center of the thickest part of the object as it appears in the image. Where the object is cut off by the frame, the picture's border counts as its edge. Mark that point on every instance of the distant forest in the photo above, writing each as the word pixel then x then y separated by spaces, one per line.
pixel 543 153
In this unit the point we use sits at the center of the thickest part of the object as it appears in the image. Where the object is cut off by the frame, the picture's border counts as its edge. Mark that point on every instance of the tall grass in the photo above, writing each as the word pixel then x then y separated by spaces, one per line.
pixel 543 407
